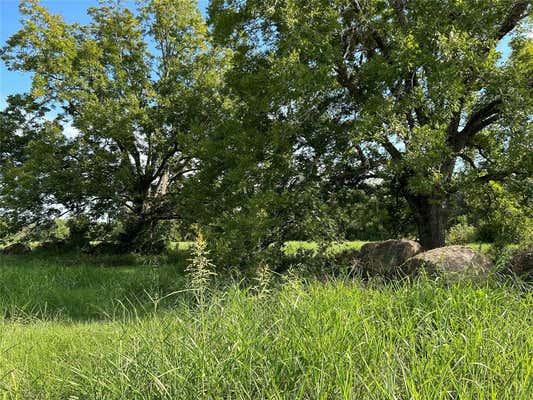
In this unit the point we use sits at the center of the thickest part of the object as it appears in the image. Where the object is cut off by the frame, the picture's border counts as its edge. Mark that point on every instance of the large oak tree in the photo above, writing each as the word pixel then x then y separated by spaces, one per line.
pixel 412 93
pixel 141 89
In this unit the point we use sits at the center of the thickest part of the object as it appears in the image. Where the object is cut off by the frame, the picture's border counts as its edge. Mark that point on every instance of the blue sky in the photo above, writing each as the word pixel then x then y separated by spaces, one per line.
pixel 72 10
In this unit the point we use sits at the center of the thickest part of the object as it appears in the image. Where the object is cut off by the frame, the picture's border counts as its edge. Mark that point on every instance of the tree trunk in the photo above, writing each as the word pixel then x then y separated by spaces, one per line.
pixel 431 217
pixel 135 228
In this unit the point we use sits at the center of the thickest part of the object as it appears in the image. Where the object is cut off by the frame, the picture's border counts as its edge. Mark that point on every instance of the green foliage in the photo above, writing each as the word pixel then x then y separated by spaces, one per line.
pixel 373 212
pixel 141 89
pixel 504 211
pixel 249 223
pixel 35 165
pixel 462 233
pixel 413 94
pixel 80 231
pixel 282 120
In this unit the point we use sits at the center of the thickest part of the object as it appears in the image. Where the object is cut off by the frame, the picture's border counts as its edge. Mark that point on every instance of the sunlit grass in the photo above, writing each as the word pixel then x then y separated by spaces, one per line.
pixel 482 247
pixel 292 247
pixel 89 332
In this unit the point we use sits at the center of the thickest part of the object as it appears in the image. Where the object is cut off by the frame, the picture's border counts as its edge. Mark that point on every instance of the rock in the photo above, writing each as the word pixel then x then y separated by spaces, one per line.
pixel 17 249
pixel 387 258
pixel 451 262
pixel 53 245
pixel 348 257
pixel 521 263
pixel 102 248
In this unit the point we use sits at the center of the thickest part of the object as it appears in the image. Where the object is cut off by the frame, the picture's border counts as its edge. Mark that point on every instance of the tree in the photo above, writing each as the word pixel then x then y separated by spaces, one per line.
pixel 411 93
pixel 35 165
pixel 141 90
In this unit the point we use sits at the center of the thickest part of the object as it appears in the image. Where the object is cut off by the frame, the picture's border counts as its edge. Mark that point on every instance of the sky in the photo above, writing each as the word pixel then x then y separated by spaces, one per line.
pixel 71 10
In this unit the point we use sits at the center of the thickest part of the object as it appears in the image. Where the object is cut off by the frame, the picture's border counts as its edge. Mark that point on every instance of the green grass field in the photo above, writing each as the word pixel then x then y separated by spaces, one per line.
pixel 293 246
pixel 73 327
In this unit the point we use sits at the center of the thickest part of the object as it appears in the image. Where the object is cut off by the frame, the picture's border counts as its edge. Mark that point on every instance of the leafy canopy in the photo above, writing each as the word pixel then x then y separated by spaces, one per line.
pixel 140 87
pixel 414 93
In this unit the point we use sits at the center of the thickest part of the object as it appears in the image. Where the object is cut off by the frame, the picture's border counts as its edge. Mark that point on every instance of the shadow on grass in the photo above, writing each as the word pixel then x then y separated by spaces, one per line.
pixel 76 287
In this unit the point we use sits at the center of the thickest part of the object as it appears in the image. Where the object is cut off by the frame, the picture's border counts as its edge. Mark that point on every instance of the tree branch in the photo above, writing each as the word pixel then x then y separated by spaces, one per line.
pixel 345 80
pixel 399 9
pixel 391 149
pixel 517 12
pixel 478 121
pixel 468 160
pixel 453 126
pixel 165 160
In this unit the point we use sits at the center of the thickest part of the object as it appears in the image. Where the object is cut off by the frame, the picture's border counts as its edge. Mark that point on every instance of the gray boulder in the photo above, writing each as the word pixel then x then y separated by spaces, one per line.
pixel 347 257
pixel 53 245
pixel 16 249
pixel 451 262
pixel 387 258
pixel 521 263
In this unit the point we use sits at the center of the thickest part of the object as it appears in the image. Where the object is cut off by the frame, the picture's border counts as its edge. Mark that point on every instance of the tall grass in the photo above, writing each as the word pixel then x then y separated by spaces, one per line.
pixel 83 288
pixel 298 340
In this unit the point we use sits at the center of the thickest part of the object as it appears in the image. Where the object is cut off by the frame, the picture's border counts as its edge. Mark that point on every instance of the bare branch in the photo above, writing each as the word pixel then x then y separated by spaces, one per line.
pixel 468 160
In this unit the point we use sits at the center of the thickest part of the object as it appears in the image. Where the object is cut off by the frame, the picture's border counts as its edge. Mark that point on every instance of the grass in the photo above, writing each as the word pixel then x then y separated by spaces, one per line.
pixel 79 328
pixel 79 287
pixel 482 247
pixel 292 247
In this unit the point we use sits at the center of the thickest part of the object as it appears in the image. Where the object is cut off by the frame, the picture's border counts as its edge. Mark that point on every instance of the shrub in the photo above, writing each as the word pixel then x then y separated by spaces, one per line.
pixel 462 233
pixel 503 213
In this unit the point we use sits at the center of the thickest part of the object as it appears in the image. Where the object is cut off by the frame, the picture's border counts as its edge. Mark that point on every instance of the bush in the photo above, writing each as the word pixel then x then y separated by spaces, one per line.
pixel 502 213
pixel 462 233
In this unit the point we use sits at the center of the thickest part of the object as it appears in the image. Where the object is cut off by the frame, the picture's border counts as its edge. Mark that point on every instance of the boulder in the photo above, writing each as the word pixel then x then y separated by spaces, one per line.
pixel 53 245
pixel 387 258
pixel 451 262
pixel 102 248
pixel 521 263
pixel 348 257
pixel 16 249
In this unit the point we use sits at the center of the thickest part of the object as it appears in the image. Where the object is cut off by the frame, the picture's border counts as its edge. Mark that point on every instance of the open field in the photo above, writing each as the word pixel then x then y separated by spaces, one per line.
pixel 293 246
pixel 120 328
